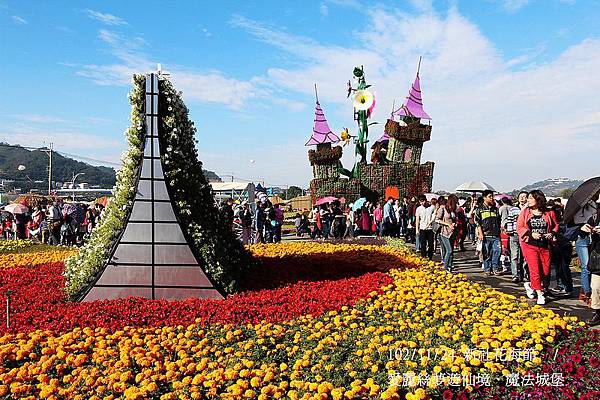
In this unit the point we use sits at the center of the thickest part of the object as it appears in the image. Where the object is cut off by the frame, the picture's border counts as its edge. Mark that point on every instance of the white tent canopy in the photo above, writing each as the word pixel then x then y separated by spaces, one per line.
pixel 474 187
pixel 242 191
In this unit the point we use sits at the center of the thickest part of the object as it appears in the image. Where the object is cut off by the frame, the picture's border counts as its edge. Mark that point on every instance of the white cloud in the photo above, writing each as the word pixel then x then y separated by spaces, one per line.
pixel 64 139
pixel 64 29
pixel 37 118
pixel 356 4
pixel 514 5
pixel 423 6
pixel 19 21
pixel 213 87
pixel 209 86
pixel 105 18
pixel 490 121
pixel 323 10
pixel 295 106
pixel 206 32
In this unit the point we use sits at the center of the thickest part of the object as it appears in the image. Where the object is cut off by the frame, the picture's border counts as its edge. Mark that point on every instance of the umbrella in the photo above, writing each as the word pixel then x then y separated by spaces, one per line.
pixel 430 196
pixel 74 211
pixel 474 187
pixel 324 200
pixel 581 196
pixel 16 208
pixel 499 197
pixel 69 208
pixel 358 204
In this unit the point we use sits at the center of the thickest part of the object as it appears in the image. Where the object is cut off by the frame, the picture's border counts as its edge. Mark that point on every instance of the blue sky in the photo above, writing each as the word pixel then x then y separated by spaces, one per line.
pixel 510 84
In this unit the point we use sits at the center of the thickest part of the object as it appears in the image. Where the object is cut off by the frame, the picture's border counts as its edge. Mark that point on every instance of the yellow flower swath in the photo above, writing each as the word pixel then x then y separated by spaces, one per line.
pixel 342 354
pixel 34 255
pixel 11 246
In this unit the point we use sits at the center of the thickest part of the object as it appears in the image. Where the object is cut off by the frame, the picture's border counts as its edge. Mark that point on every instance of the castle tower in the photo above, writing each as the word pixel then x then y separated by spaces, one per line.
pixel 407 137
pixel 325 160
pixel 153 257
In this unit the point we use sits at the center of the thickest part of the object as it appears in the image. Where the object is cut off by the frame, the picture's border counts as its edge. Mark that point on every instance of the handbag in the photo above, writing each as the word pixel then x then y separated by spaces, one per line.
pixel 436 226
pixel 571 233
pixel 594 260
pixel 479 246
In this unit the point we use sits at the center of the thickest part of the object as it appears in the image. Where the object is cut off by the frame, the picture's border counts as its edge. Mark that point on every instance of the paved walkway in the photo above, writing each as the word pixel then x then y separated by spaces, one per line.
pixel 467 263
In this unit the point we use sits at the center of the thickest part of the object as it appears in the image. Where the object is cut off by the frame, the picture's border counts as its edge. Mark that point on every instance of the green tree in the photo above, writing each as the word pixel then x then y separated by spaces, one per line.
pixel 293 191
pixel 566 193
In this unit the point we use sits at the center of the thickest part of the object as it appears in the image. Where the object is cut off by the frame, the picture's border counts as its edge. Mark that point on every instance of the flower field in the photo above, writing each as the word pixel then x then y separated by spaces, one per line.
pixel 313 321
pixel 27 254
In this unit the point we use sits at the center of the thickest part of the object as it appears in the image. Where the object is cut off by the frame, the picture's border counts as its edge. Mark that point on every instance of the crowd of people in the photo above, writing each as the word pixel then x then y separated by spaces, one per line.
pixel 526 238
pixel 55 223
pixel 393 218
pixel 261 224
pixel 540 244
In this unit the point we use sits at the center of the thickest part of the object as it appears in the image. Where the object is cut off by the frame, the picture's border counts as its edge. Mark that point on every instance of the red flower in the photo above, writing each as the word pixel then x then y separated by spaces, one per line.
pixel 448 395
pixel 576 358
pixel 581 371
pixel 38 301
pixel 568 367
pixel 594 361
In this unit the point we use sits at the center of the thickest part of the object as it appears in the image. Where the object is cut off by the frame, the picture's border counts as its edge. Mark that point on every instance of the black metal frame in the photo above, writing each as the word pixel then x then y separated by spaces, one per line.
pixel 149 134
pixel 187 237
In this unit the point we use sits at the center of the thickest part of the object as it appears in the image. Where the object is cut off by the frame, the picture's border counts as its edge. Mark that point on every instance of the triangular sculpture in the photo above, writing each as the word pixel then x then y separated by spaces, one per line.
pixel 413 106
pixel 321 132
pixel 153 258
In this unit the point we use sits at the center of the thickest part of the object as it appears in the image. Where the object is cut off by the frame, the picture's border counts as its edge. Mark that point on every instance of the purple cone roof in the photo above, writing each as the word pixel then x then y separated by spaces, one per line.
pixel 413 106
pixel 384 138
pixel 321 131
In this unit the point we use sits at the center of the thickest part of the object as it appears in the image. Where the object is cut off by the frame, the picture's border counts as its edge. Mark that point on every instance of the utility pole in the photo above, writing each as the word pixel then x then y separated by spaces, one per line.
pixel 49 153
pixel 50 171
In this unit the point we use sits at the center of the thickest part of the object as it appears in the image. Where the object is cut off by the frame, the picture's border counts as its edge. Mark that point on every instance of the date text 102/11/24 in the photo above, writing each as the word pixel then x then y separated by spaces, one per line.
pixel 499 354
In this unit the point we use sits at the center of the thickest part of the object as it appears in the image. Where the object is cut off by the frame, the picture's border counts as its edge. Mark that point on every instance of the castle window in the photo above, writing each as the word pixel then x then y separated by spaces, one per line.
pixel 407 154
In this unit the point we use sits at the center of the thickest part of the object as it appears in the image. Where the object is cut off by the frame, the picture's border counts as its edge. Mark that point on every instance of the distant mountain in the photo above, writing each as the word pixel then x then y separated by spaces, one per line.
pixel 553 186
pixel 35 174
pixel 36 169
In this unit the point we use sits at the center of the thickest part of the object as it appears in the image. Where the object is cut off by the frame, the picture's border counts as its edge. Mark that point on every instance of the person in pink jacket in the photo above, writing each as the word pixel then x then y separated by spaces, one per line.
pixel 536 227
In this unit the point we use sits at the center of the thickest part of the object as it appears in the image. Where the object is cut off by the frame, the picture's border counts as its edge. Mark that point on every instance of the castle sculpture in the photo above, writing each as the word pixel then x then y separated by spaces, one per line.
pixel 395 156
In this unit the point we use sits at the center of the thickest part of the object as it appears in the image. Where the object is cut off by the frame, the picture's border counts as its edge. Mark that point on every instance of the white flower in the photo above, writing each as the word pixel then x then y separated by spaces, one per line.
pixel 170 108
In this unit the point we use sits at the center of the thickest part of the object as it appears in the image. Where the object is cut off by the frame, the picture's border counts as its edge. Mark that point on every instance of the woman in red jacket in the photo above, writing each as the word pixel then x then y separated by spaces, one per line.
pixel 536 227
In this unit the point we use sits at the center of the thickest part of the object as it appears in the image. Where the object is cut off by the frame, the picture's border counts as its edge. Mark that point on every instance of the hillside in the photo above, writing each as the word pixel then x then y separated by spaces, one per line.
pixel 36 169
pixel 554 186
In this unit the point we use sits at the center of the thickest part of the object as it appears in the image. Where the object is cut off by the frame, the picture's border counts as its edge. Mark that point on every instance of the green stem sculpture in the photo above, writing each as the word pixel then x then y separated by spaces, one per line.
pixel 363 127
